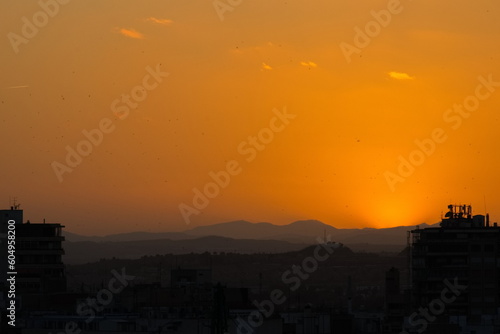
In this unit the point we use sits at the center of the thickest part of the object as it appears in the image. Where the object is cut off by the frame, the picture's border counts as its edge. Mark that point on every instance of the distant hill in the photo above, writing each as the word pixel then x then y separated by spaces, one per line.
pixel 132 236
pixel 237 236
pixel 306 231
pixel 300 231
pixel 91 251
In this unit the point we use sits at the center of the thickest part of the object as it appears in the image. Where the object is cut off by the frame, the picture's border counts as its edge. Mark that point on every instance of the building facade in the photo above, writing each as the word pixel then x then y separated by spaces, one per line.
pixel 455 272
pixel 39 268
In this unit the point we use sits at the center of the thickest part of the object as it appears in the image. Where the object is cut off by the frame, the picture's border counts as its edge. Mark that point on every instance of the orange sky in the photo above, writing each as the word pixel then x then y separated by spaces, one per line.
pixel 354 114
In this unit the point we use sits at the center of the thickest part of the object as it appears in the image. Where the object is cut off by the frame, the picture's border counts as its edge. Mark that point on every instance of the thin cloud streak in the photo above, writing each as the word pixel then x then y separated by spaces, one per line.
pixel 266 67
pixel 308 64
pixel 165 22
pixel 131 33
pixel 400 76
pixel 16 87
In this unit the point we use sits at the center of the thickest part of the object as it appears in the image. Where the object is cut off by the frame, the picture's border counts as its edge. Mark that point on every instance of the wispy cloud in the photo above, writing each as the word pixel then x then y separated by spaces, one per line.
pixel 165 22
pixel 131 33
pixel 16 87
pixel 266 67
pixel 400 76
pixel 308 64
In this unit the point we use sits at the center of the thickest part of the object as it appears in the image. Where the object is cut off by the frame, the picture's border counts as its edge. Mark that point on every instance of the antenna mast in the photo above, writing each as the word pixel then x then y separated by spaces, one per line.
pixel 13 203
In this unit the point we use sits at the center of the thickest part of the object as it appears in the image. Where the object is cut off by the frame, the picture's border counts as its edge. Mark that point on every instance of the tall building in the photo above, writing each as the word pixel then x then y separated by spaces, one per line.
pixel 38 257
pixel 39 253
pixel 455 271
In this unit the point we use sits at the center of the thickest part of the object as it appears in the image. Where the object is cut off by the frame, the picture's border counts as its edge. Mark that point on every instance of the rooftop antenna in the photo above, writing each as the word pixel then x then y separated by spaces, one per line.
pixel 486 212
pixel 14 204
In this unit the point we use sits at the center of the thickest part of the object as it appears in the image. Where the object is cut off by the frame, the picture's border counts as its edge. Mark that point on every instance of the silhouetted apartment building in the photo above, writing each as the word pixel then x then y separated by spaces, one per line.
pixel 39 253
pixel 455 271
pixel 38 258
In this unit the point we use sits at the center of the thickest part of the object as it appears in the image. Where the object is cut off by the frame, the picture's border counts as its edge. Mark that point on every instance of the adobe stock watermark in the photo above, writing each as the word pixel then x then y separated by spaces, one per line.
pixel 427 146
pixel 222 6
pixel 436 307
pixel 31 27
pixel 103 298
pixel 293 278
pixel 372 29
pixel 121 109
pixel 249 149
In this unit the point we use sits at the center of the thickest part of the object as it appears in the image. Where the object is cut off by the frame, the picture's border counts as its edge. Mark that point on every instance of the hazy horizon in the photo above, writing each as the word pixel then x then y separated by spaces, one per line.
pixel 116 115
pixel 188 228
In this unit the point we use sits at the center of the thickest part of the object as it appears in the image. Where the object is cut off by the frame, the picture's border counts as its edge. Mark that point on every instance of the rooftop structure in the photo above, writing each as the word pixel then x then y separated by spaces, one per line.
pixel 465 252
